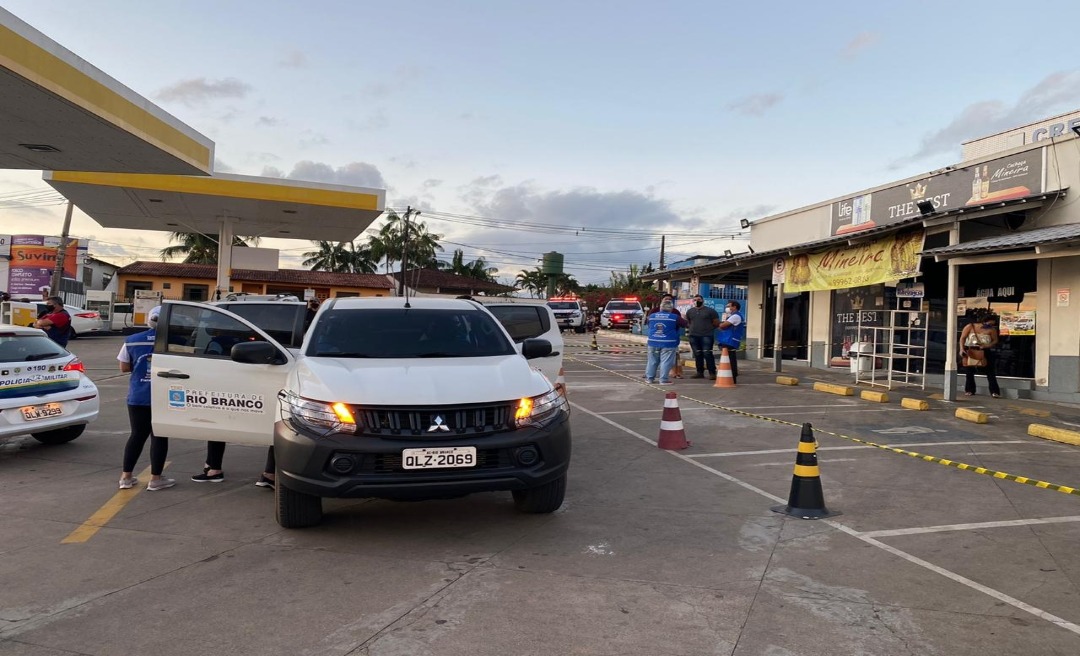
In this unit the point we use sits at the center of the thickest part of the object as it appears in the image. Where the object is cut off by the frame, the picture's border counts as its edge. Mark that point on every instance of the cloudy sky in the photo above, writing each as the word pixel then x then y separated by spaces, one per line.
pixel 586 127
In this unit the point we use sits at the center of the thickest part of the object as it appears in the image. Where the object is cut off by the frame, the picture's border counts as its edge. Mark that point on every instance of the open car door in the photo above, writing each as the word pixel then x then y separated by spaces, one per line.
pixel 198 392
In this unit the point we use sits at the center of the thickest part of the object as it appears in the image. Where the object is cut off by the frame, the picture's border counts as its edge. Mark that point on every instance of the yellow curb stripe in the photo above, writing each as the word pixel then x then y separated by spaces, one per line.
pixel 978 470
pixel 876 397
pixel 106 512
pixel 787 380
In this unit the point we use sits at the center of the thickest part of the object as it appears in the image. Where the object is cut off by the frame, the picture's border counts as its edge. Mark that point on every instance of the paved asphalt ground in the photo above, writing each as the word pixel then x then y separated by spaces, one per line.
pixel 653 553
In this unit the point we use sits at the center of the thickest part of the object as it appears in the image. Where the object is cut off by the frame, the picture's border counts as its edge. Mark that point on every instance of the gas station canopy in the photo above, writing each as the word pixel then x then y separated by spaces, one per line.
pixel 251 206
pixel 57 112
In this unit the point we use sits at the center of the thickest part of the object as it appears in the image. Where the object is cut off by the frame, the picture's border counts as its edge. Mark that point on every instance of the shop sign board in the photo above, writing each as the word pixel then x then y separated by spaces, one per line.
pixel 911 290
pixel 894 257
pixel 33 260
pixel 1002 179
pixel 1017 322
pixel 778 270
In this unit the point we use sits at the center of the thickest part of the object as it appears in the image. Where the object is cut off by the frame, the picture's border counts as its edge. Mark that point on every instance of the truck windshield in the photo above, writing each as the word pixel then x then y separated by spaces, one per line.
pixel 562 305
pixel 407 333
pixel 623 306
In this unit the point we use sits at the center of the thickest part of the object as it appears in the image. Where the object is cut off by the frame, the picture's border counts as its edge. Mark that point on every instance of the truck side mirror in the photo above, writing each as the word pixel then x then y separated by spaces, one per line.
pixel 255 353
pixel 535 348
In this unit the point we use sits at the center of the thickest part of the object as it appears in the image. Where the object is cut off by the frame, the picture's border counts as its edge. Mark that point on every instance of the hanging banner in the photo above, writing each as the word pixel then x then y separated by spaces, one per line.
pixel 883 260
pixel 1017 322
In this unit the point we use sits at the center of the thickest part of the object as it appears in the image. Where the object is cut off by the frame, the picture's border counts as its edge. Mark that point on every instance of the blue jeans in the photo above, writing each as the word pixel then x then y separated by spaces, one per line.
pixel 703 353
pixel 662 358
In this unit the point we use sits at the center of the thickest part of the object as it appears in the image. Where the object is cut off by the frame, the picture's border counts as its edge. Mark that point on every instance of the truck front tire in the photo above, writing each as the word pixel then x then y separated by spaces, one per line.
pixel 60 435
pixel 546 498
pixel 295 509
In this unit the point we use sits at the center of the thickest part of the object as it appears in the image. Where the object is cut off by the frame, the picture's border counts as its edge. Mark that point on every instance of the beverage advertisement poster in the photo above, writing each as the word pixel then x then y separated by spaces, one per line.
pixel 1017 322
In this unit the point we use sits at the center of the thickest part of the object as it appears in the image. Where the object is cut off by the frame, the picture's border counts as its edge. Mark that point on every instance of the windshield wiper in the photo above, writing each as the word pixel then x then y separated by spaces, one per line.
pixel 42 356
pixel 344 354
pixel 438 354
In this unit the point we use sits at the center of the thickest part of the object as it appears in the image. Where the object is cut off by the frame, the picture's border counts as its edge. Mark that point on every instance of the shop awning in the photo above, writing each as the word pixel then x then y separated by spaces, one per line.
pixel 753 259
pixel 1041 241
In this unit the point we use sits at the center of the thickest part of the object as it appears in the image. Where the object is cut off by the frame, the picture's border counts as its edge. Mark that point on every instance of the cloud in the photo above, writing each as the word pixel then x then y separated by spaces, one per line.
pixel 293 59
pixel 267 122
pixel 200 90
pixel 861 42
pixel 1052 94
pixel 754 105
pixel 222 167
pixel 353 174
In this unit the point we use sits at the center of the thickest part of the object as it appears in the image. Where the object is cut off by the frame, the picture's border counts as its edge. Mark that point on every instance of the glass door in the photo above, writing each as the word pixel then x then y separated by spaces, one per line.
pixel 795 330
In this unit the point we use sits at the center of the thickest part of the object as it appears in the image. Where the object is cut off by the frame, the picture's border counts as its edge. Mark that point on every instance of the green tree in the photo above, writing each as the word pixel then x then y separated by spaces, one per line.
pixel 389 242
pixel 478 268
pixel 197 248
pixel 534 281
pixel 340 257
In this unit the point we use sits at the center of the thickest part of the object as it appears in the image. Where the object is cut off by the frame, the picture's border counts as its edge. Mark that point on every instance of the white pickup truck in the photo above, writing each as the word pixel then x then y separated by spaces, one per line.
pixel 385 398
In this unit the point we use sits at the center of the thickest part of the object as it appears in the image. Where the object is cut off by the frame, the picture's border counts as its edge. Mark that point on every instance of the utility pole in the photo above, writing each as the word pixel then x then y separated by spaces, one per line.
pixel 58 272
pixel 663 239
pixel 405 235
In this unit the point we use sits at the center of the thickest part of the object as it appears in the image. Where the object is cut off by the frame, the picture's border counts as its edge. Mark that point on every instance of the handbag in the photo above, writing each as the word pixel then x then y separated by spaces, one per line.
pixel 974 362
pixel 975 341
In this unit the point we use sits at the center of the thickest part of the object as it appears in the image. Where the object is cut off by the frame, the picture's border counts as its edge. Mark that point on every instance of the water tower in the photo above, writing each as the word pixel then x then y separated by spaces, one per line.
pixel 552 267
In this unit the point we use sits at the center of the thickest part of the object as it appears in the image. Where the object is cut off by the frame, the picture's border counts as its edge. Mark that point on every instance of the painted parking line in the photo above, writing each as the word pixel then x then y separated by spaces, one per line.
pixel 919 530
pixel 845 448
pixel 868 539
pixel 1023 480
pixel 105 513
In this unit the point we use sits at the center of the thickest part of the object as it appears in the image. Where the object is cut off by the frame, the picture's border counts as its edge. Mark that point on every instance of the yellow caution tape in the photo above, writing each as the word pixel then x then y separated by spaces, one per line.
pixel 1064 489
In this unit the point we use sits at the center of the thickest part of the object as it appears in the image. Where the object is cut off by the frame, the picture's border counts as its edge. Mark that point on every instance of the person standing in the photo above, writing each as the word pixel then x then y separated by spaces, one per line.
pixel 732 330
pixel 56 322
pixel 663 344
pixel 702 321
pixel 134 357
pixel 978 350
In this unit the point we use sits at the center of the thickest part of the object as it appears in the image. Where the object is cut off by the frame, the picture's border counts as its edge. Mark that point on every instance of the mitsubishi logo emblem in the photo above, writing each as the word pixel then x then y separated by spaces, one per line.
pixel 438 425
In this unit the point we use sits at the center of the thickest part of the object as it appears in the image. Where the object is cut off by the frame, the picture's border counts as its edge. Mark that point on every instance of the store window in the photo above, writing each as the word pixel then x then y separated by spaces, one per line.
pixel 1009 291
pixel 196 293
pixel 852 308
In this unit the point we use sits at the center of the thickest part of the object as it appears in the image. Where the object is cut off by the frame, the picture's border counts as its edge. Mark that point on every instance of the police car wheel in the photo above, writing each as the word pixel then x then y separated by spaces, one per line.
pixel 546 498
pixel 60 435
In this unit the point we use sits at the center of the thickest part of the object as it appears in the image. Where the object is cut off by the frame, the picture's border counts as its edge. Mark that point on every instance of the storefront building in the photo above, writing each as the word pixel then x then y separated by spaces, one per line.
pixel 997 231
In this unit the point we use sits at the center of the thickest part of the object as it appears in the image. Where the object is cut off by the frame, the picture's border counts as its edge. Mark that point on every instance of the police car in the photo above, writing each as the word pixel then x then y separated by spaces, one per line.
pixel 569 313
pixel 44 390
pixel 622 313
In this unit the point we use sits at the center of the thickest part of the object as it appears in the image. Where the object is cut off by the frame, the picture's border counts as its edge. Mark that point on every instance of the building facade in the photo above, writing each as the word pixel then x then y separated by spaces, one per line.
pixel 195 282
pixel 999 231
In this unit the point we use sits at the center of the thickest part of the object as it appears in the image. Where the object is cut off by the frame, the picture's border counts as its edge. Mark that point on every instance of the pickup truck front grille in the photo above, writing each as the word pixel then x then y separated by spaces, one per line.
pixel 447 422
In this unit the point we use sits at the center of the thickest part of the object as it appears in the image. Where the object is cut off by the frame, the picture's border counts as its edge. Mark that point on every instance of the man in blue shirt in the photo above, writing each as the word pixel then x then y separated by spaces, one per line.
pixel 663 331
pixel 135 357
pixel 730 333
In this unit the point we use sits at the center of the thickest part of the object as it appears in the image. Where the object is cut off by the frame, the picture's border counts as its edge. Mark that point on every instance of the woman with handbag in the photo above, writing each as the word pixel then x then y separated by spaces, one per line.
pixel 978 352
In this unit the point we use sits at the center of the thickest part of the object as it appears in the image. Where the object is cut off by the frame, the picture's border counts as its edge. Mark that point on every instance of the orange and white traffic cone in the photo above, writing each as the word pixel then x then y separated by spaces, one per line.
pixel 672 433
pixel 560 382
pixel 724 378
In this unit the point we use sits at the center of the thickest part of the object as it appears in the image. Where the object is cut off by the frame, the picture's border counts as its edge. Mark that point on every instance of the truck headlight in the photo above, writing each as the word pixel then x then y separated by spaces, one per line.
pixel 540 410
pixel 315 417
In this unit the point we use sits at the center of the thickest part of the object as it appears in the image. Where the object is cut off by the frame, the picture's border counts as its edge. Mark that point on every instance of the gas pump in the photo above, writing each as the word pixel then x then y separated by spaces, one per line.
pixel 103 303
pixel 145 300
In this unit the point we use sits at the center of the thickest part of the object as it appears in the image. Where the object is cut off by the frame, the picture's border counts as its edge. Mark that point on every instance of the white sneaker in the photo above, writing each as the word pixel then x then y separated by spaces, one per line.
pixel 160 484
pixel 128 483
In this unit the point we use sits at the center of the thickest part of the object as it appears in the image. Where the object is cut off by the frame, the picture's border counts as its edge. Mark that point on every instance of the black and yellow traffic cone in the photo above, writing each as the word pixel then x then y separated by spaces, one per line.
pixel 806 499
pixel 594 346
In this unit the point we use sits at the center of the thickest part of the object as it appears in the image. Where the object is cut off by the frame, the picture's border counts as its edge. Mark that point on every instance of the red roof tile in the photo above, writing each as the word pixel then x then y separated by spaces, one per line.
pixel 285 276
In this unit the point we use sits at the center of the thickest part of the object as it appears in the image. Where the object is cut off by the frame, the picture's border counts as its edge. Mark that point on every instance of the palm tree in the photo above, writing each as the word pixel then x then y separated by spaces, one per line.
pixel 196 247
pixel 360 258
pixel 331 256
pixel 535 282
pixel 387 245
pixel 478 268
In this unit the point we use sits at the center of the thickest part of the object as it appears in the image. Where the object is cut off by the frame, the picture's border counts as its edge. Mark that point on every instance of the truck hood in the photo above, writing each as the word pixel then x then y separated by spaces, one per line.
pixel 416 382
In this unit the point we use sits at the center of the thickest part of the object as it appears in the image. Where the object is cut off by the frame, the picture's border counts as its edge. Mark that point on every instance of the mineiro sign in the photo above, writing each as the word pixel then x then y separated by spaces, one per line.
pixel 883 260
